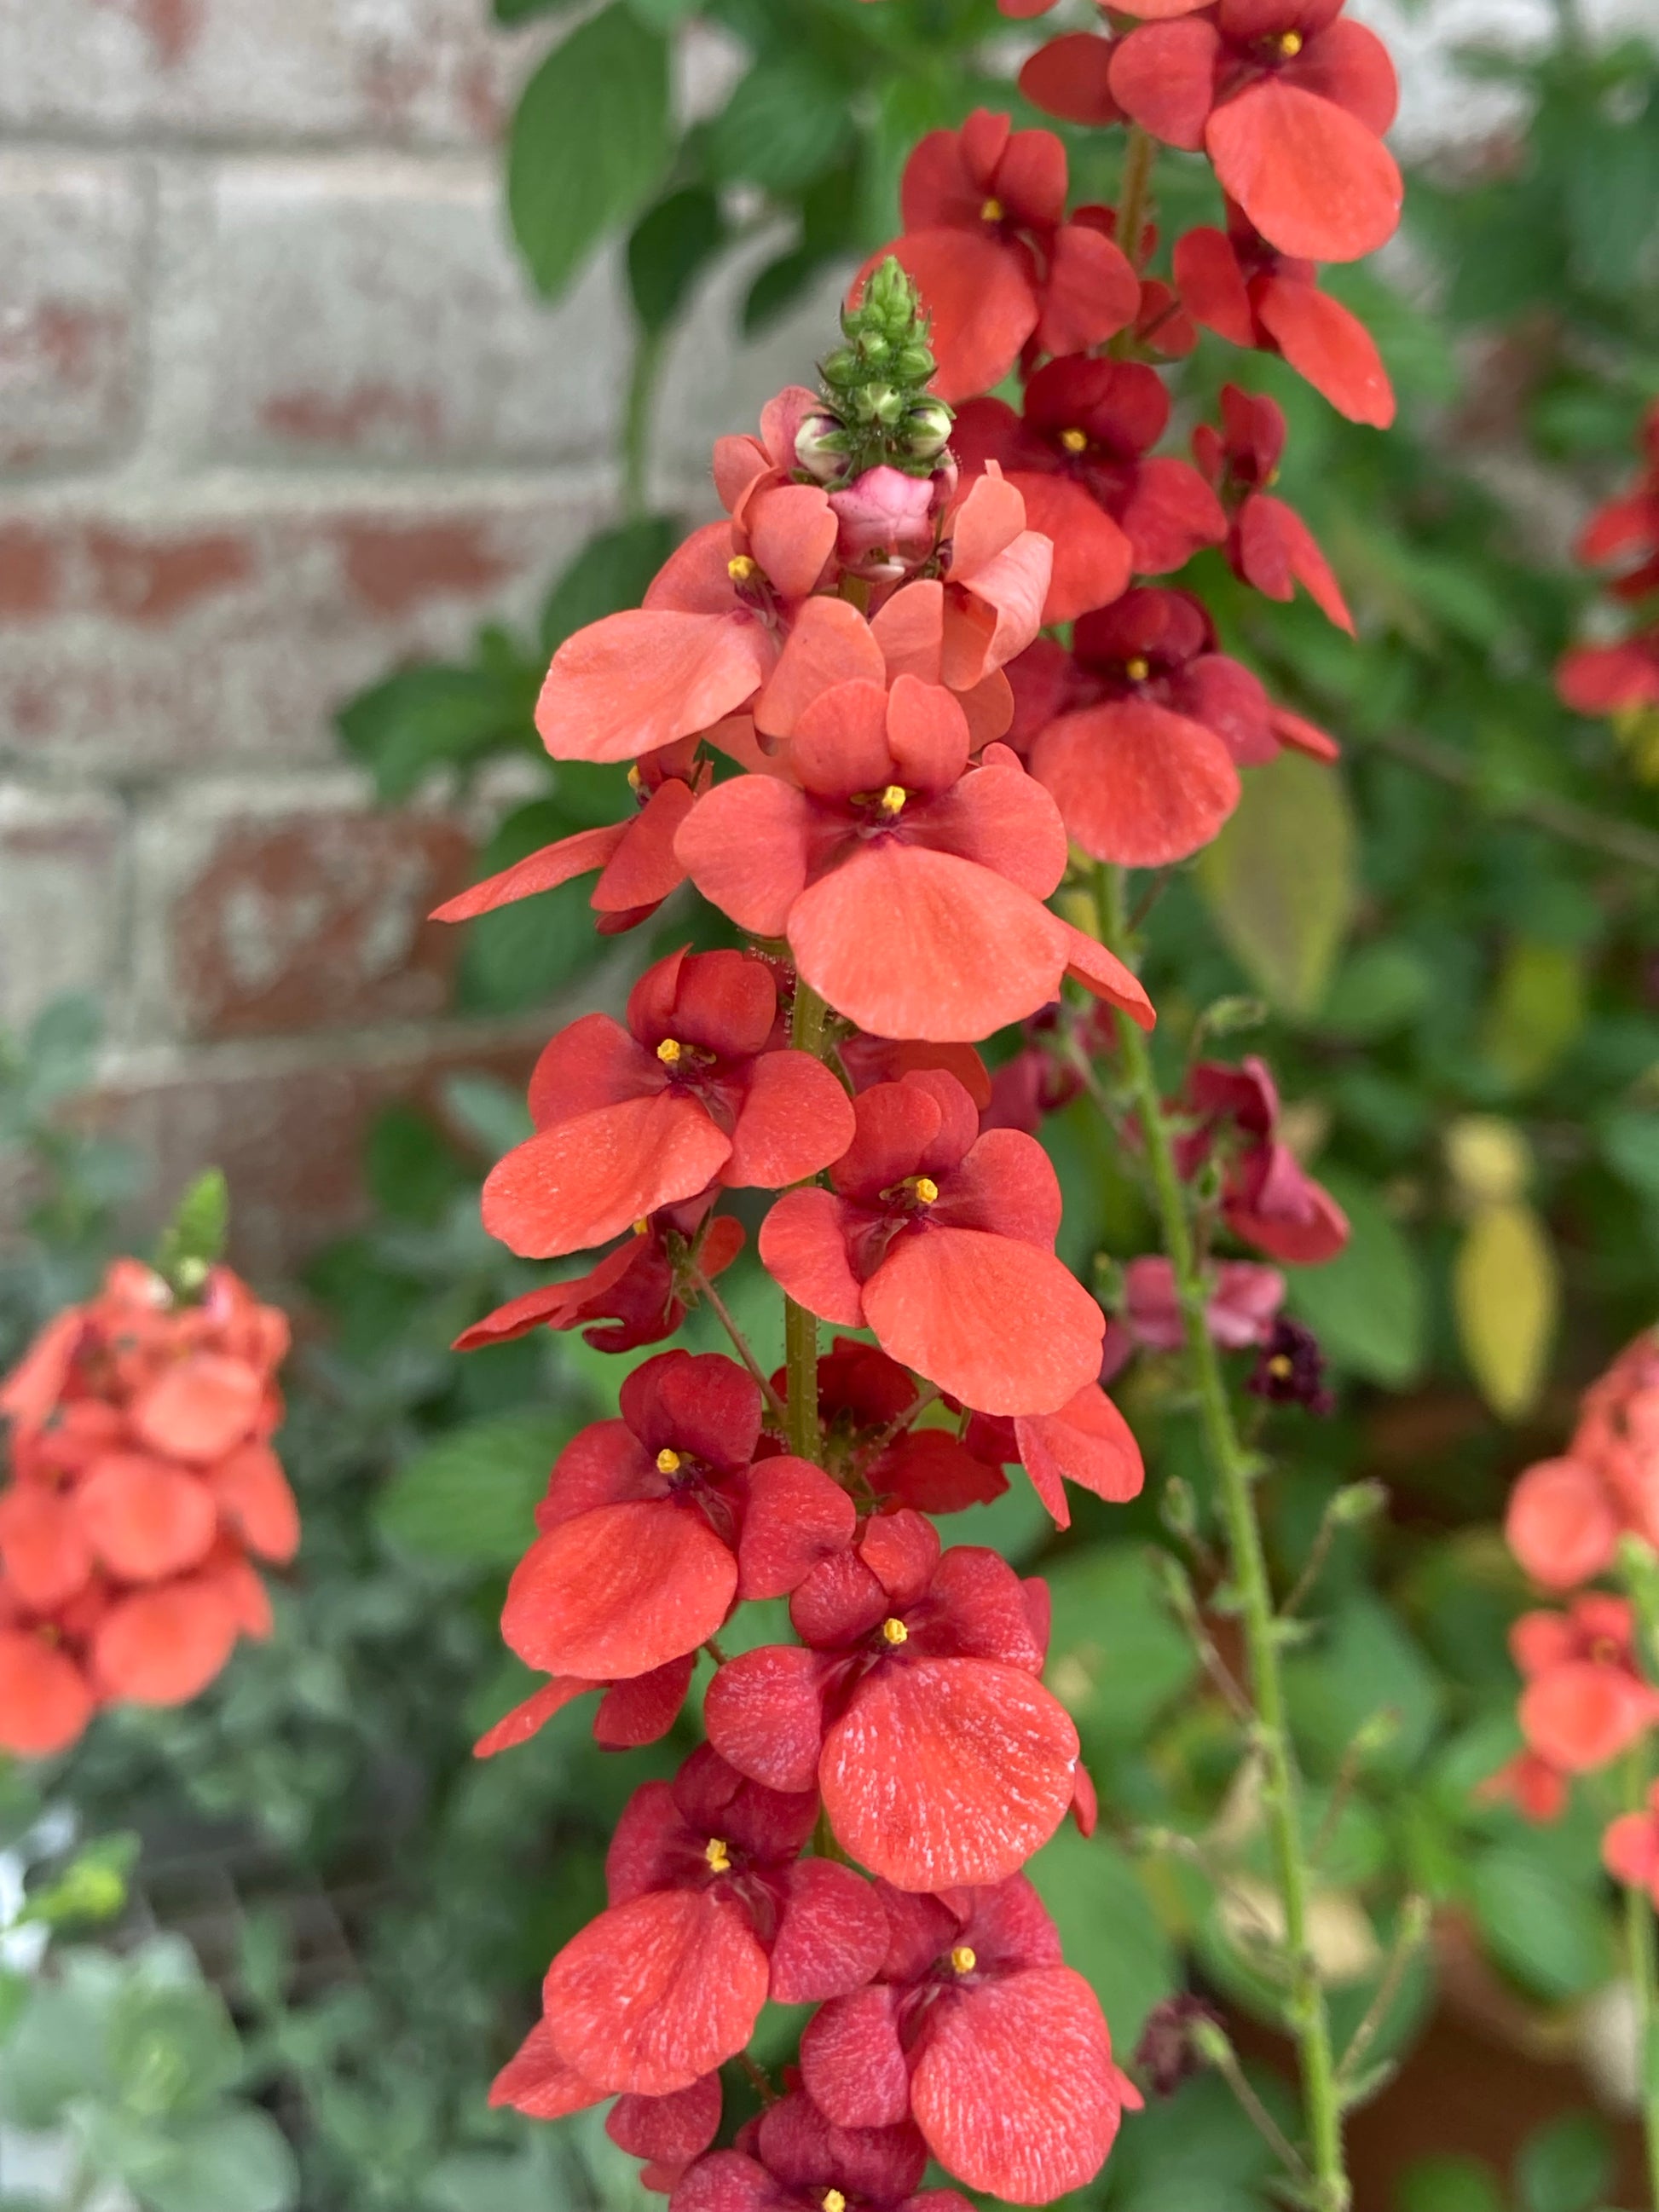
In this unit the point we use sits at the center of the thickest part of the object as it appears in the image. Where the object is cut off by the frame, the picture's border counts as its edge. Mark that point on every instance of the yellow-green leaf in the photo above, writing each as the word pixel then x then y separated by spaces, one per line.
pixel 1536 1010
pixel 1280 880
pixel 1506 1294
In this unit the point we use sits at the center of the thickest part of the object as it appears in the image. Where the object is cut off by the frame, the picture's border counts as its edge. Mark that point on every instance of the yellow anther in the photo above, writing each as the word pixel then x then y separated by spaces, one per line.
pixel 669 1051
pixel 991 212
pixel 740 567
pixel 719 1860
pixel 1074 440
pixel 926 1189
pixel 891 800
pixel 635 779
pixel 1137 669
pixel 1280 1367
pixel 1289 45
pixel 668 1460
pixel 1271 479
pixel 833 2200
pixel 894 1630
pixel 964 1960
pixel 641 1227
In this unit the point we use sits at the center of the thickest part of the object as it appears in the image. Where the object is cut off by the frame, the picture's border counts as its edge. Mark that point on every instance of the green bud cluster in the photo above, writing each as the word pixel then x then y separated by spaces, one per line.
pixel 877 409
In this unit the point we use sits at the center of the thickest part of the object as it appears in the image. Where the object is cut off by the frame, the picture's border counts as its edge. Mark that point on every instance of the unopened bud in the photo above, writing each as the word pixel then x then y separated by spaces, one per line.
pixel 821 447
pixel 1229 1016
pixel 1178 1508
pixel 1358 1503
pixel 1377 1733
pixel 926 429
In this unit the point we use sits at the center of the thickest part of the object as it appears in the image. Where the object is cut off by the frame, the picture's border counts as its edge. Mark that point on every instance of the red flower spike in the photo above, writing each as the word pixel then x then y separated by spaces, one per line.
pixel 1629 1849
pixel 998 2050
pixel 629 1120
pixel 997 265
pixel 942 1758
pixel 1234 282
pixel 941 1242
pixel 636 1565
pixel 910 891
pixel 864 1398
pixel 1078 456
pixel 711 1909
pixel 636 1291
pixel 1290 102
pixel 1584 1702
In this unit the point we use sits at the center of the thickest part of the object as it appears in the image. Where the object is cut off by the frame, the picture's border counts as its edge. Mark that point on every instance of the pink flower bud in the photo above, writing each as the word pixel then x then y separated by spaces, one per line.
pixel 886 522
pixel 821 446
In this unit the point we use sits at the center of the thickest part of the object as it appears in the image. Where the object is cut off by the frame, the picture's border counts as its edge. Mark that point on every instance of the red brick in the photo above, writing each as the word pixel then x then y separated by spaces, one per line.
pixel 71 232
pixel 62 918
pixel 393 567
pixel 144 578
pixel 29 571
pixel 267 912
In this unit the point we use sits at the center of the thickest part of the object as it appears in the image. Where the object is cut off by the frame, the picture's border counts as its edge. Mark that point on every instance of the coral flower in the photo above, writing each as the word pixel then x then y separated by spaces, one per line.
pixel 1538 1791
pixel 785 528
pixel 629 1120
pixel 997 264
pixel 1269 544
pixel 712 1909
pixel 978 2030
pixel 46 1699
pixel 1078 456
pixel 1562 1524
pixel 865 1404
pixel 669 2131
pixel 792 2159
pixel 1086 1441
pixel 908 885
pixel 913 1703
pixel 636 858
pixel 941 1240
pixel 1234 282
pixel 1290 101
pixel 1629 1849
pixel 652 1523
pixel 1268 1198
pixel 1584 1702
pixel 636 1294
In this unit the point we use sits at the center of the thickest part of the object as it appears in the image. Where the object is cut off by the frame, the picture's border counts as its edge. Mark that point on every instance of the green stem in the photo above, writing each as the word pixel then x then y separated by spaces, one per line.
pixel 1306 2014
pixel 636 422
pixel 1138 158
pixel 740 1343
pixel 1645 1976
pixel 801 1328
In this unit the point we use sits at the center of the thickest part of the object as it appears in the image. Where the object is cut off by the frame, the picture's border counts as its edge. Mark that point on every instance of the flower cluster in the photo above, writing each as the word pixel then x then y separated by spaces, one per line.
pixel 1622 678
pixel 142 1486
pixel 926 671
pixel 1587 1698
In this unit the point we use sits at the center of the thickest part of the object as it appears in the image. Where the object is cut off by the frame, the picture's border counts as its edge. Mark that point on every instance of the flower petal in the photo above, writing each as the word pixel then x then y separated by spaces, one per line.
pixel 1277 551
pixel 45 1702
pixel 745 846
pixel 200 1408
pixel 764 1715
pixel 1311 178
pixel 538 872
pixel 618 1591
pixel 947 1771
pixel 640 679
pixel 644 868
pixel 585 1180
pixel 1000 1324
pixel 252 1495
pixel 1561 1525
pixel 538 2082
pixel 1134 783
pixel 1087 1441
pixel 1091 293
pixel 832 1934
pixel 796 1515
pixel 803 1247
pixel 163 1646
pixel 1163 76
pixel 146 1520
pixel 852 2064
pixel 44 1549
pixel 1328 344
pixel 829 642
pixel 795 1119
pixel 530 1717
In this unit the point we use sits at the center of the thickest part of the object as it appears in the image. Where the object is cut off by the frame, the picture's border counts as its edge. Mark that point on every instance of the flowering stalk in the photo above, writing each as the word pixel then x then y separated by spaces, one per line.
pixel 1236 1471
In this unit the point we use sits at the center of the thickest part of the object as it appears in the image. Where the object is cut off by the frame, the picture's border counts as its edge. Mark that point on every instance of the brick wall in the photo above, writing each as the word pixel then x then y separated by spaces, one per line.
pixel 276 409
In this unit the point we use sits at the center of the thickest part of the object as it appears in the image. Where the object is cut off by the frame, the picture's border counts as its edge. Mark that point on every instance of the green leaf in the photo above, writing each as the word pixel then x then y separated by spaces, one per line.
pixel 194 1240
pixel 610 573
pixel 437 716
pixel 1367 1306
pixel 236 2160
pixel 1537 1009
pixel 1116 1658
pixel 1280 879
pixel 1111 1934
pixel 1380 989
pixel 1194 2149
pixel 470 1498
pixel 590 139
pixel 520 11
pixel 784 126
pixel 57 2051
pixel 1364 1663
pixel 1506 1296
pixel 172 2048
pixel 1542 1924
pixel 1630 1145
pixel 670 247
pixel 1612 199
pixel 1448 2185
pixel 1565 2165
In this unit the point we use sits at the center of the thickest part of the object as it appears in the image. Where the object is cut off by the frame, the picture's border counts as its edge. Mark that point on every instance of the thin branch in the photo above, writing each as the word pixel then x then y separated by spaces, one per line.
pixel 722 1313
pixel 759 2080
pixel 1214 2047
pixel 1409 1934
pixel 1558 818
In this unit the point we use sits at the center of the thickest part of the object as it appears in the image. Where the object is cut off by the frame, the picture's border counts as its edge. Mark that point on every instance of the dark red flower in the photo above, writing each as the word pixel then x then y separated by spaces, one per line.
pixel 1584 1702
pixel 997 265
pixel 1269 544
pixel 637 1709
pixel 1288 99
pixel 1234 282
pixel 1244 1298
pixel 913 1703
pixel 941 1240
pixel 908 885
pixel 1070 76
pixel 1268 1198
pixel 712 1909
pixel 1079 458
pixel 976 2029
pixel 1606 679
pixel 792 2159
pixel 636 1294
pixel 1290 1369
pixel 1627 527
pixel 627 1120
pixel 864 1400
pixel 667 2131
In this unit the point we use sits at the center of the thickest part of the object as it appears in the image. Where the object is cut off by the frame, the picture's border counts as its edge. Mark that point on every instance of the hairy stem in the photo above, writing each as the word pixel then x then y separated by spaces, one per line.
pixel 1306 2016
pixel 801 1328
pixel 1138 158
pixel 636 422
pixel 740 1343
pixel 1643 1950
